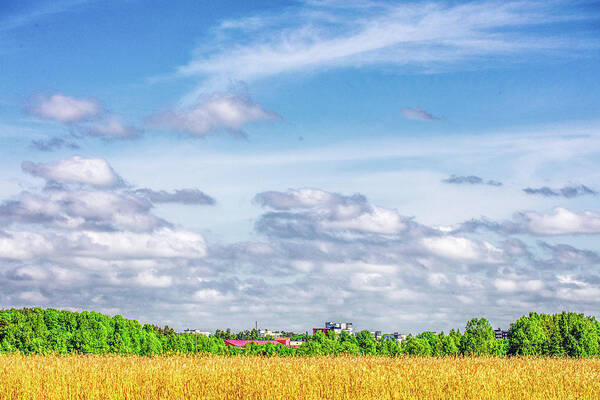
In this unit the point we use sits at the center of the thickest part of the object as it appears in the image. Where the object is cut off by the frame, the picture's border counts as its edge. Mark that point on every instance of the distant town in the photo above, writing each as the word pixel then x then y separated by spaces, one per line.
pixel 291 339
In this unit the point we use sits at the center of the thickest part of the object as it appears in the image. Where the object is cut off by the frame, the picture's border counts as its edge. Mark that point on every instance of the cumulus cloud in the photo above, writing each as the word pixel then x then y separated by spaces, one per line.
pixel 23 245
pixel 566 191
pixel 93 246
pixel 81 209
pixel 315 253
pixel 183 196
pixel 148 278
pixel 229 112
pixel 469 180
pixel 98 201
pixel 62 108
pixel 460 248
pixel 87 116
pixel 568 255
pixel 162 243
pixel 562 222
pixel 324 213
pixel 511 286
pixel 76 169
pixel 418 114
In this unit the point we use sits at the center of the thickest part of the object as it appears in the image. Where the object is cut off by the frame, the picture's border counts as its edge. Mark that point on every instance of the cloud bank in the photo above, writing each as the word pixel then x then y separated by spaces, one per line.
pixel 82 241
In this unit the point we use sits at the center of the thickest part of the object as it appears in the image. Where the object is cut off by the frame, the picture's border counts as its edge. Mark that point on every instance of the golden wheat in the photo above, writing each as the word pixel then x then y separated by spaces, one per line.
pixel 189 377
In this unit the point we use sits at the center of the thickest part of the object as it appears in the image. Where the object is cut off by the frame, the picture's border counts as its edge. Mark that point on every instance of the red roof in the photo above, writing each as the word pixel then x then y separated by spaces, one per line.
pixel 242 343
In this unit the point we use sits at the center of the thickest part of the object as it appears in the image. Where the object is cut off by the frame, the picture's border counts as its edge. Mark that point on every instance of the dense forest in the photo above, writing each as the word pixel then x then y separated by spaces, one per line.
pixel 46 331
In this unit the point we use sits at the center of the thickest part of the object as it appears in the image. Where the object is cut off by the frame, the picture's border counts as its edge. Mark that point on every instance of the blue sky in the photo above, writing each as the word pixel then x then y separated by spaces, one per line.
pixel 403 165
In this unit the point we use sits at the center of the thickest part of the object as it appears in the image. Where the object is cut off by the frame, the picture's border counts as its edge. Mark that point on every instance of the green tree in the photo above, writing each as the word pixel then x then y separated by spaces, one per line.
pixel 366 342
pixel 527 336
pixel 416 346
pixel 478 338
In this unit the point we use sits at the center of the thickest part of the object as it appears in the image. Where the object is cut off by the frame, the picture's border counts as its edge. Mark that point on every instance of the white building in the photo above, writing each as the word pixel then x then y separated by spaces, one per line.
pixel 268 332
pixel 339 327
pixel 399 337
pixel 376 334
pixel 196 332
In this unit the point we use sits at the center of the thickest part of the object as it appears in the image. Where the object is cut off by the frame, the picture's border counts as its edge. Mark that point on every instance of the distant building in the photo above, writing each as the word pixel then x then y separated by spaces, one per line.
pixel 336 327
pixel 268 332
pixel 296 343
pixel 196 332
pixel 399 337
pixel 242 343
pixel 339 327
pixel 375 334
pixel 500 334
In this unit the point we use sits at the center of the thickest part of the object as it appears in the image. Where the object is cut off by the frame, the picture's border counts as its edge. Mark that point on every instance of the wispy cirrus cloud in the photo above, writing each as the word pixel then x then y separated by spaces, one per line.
pixel 38 11
pixel 415 36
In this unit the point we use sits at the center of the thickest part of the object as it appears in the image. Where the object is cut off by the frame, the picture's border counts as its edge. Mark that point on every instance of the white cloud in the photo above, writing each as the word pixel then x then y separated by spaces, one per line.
pixel 297 198
pixel 162 243
pixel 33 297
pixel 211 296
pixel 64 108
pixel 510 285
pixel 569 280
pixel 149 279
pixel 563 222
pixel 23 245
pixel 31 272
pixel 584 294
pixel 376 220
pixel 321 212
pixel 81 209
pixel 76 169
pixel 437 279
pixel 463 249
pixel 372 282
pixel 227 112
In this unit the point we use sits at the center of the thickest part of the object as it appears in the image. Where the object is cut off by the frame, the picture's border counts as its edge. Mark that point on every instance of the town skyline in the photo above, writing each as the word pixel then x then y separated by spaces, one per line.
pixel 404 166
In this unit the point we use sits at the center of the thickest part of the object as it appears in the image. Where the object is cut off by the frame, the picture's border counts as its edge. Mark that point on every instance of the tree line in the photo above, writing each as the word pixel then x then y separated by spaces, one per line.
pixel 49 331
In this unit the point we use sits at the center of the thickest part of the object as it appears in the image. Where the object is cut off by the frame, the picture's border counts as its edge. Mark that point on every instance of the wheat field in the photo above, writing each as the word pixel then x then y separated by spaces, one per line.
pixel 189 377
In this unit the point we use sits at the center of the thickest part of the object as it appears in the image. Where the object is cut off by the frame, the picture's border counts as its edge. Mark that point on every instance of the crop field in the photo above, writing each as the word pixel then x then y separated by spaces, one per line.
pixel 189 377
